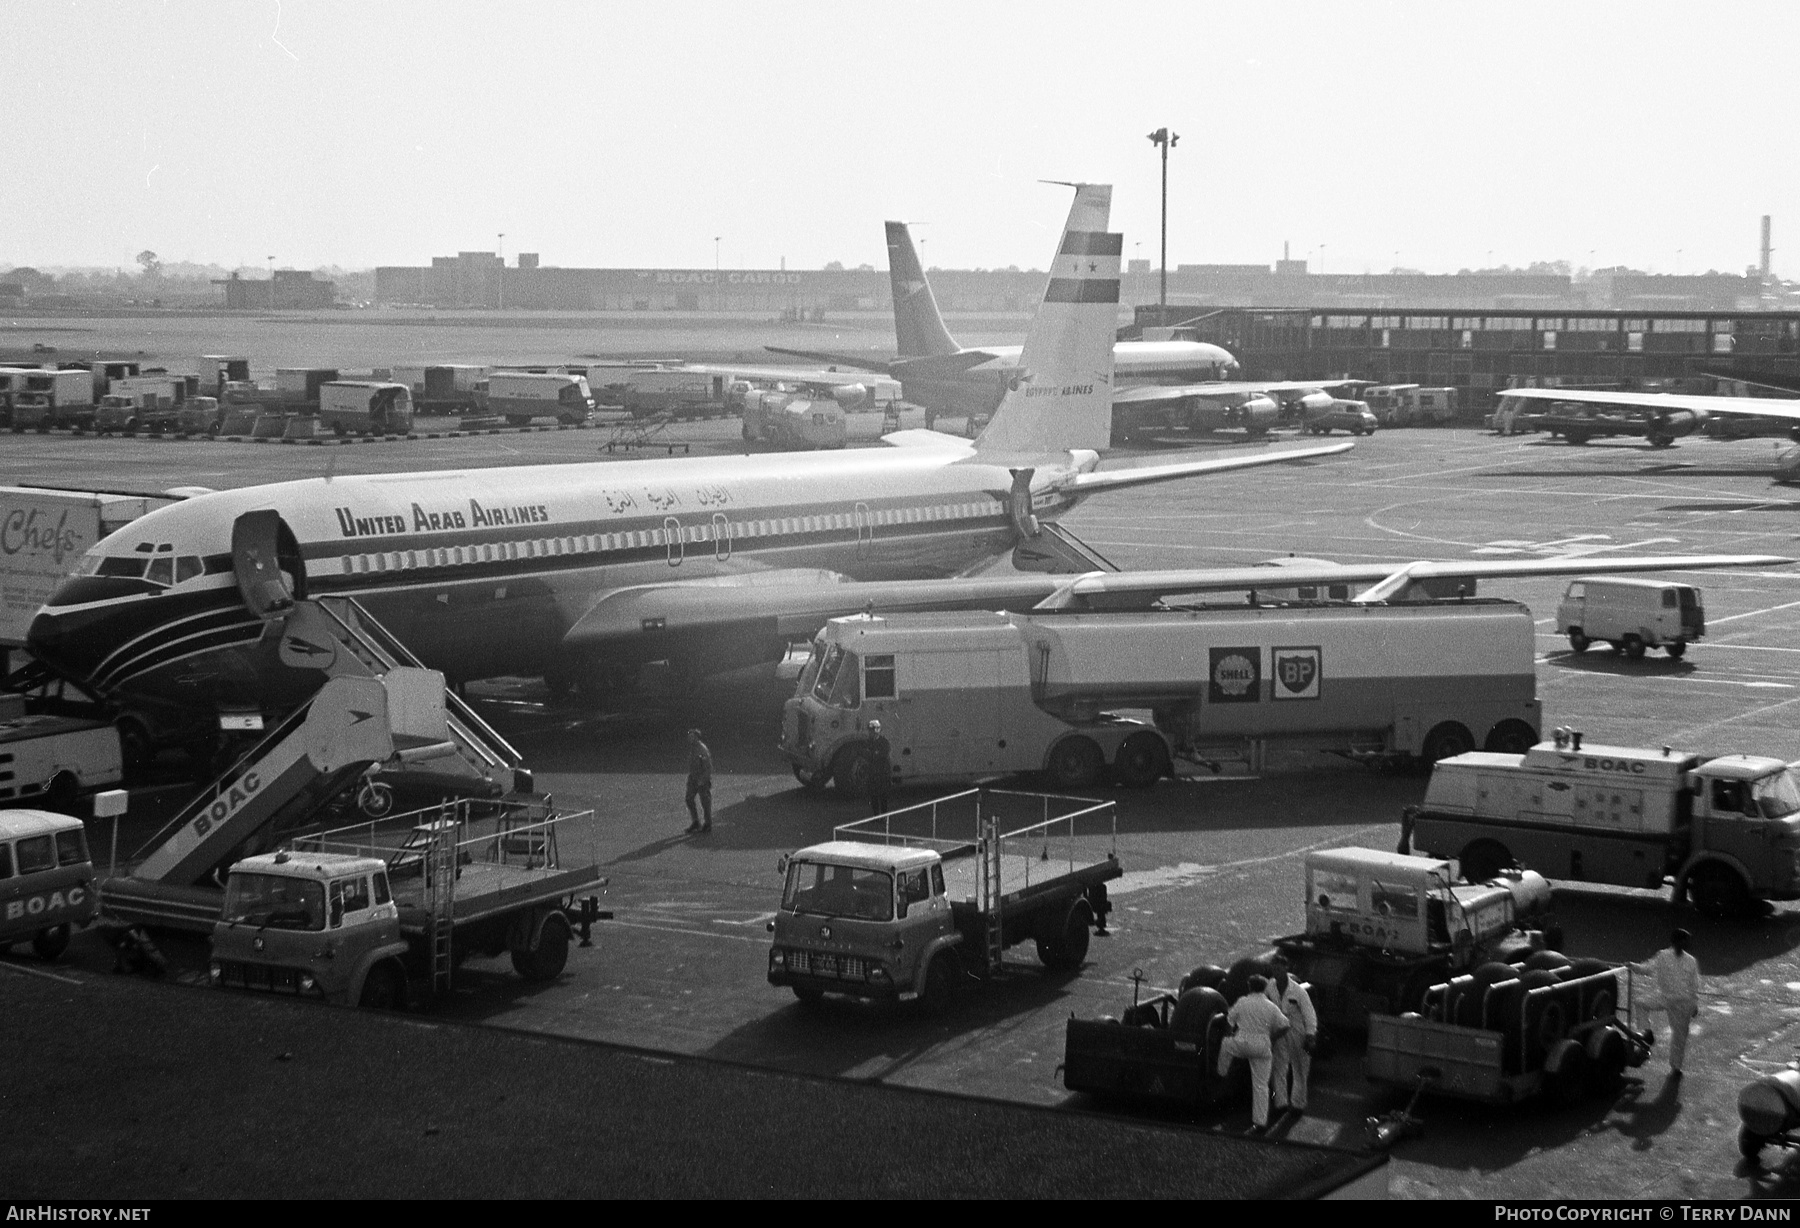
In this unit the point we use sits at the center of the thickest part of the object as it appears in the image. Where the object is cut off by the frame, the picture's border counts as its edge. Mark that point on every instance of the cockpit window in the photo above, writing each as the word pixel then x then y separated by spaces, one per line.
pixel 162 570
pixel 124 568
pixel 187 567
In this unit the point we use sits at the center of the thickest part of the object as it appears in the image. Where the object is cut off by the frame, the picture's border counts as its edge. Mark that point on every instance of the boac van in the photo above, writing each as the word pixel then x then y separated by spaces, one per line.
pixel 1631 615
pixel 46 880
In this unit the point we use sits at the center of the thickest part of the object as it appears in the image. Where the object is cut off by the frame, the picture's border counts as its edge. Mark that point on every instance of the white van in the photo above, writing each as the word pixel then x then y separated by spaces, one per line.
pixel 1631 615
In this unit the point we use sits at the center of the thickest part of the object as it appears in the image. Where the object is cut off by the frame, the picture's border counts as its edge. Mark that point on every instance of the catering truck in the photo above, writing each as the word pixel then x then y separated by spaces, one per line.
pixel 1724 830
pixel 907 906
pixel 365 407
pixel 678 392
pixel 54 398
pixel 520 396
pixel 44 533
pixel 448 388
pixel 963 695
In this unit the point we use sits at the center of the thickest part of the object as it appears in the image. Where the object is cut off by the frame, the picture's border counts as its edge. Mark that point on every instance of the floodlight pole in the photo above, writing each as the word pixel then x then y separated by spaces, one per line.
pixel 1166 140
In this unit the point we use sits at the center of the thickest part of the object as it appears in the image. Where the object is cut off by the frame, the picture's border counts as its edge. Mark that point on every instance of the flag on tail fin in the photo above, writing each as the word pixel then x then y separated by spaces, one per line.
pixel 1061 398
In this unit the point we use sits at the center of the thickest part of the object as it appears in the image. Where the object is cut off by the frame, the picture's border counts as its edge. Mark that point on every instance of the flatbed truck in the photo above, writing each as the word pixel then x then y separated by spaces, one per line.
pixel 377 915
pixel 907 906
pixel 963 695
pixel 1724 830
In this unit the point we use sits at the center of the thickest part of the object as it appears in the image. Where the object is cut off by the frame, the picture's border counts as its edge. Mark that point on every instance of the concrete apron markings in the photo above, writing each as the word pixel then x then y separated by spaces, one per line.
pixel 48 976
pixel 1163 879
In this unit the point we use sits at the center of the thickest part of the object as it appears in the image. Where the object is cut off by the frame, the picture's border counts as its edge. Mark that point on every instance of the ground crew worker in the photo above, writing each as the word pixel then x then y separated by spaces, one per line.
pixel 699 783
pixel 1293 1051
pixel 1676 975
pixel 881 767
pixel 1255 1022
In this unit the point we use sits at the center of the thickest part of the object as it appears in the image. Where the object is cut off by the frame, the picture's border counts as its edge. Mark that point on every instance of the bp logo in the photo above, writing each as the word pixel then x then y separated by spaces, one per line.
pixel 1296 673
pixel 1235 676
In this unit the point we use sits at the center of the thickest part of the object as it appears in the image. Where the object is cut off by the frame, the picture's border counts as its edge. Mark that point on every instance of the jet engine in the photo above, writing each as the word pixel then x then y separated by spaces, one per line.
pixel 851 396
pixel 1669 425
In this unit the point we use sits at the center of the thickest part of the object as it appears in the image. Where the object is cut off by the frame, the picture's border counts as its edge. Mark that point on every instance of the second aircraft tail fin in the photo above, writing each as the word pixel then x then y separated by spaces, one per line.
pixel 919 330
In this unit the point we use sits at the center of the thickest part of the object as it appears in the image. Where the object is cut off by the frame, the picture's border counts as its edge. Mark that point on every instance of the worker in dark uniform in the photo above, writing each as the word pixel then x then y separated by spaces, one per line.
pixel 881 768
pixel 699 783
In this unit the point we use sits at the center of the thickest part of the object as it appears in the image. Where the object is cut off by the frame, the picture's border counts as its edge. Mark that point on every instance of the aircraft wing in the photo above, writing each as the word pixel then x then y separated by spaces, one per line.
pixel 1147 393
pixel 1756 407
pixel 796 603
pixel 1115 479
pixel 786 375
pixel 925 367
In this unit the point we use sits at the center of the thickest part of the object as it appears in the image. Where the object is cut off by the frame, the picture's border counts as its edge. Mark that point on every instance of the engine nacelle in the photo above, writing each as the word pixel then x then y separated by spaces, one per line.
pixel 1675 423
pixel 851 396
pixel 1313 403
pixel 1259 413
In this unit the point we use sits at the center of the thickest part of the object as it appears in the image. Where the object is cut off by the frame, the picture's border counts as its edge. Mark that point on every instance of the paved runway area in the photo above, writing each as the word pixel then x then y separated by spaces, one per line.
pixel 1213 864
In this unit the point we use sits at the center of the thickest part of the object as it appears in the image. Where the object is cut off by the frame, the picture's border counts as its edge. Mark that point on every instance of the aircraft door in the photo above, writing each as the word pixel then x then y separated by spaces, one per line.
pixel 672 536
pixel 1019 503
pixel 721 527
pixel 271 575
pixel 865 530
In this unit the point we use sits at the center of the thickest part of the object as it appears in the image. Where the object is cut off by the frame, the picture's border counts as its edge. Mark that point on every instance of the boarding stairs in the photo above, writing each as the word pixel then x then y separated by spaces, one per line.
pixel 486 758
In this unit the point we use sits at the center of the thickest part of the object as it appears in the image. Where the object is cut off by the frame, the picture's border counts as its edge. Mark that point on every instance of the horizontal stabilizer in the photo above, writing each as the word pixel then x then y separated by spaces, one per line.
pixel 1147 393
pixel 920 438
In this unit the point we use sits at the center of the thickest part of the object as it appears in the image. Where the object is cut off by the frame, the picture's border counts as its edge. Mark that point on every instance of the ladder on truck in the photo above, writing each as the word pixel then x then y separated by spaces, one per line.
pixel 994 937
pixel 440 885
pixel 487 754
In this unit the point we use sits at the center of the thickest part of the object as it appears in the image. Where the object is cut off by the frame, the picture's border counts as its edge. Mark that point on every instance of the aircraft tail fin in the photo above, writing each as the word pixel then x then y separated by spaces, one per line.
pixel 918 326
pixel 1061 399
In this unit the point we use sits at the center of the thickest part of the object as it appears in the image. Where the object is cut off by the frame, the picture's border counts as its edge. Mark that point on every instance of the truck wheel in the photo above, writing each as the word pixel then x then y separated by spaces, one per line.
pixel 1676 649
pixel 1750 1145
pixel 1577 641
pixel 851 769
pixel 382 990
pixel 1482 860
pixel 1511 737
pixel 62 793
pixel 1076 763
pixel 1446 740
pixel 943 981
pixel 809 995
pixel 552 954
pixel 1141 762
pixel 1718 891
pixel 51 942
pixel 1066 947
pixel 134 747
pixel 1634 648
pixel 1566 1072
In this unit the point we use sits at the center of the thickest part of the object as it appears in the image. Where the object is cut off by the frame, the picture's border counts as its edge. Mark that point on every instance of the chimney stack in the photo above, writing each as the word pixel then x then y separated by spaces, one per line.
pixel 1766 249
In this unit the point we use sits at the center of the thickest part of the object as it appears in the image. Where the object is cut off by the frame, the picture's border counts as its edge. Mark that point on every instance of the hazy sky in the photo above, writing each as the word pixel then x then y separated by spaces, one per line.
pixel 1436 135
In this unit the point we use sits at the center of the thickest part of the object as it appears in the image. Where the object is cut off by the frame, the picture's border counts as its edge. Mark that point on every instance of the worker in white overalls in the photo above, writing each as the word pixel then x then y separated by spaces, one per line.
pixel 1676 975
pixel 1256 1023
pixel 1293 1051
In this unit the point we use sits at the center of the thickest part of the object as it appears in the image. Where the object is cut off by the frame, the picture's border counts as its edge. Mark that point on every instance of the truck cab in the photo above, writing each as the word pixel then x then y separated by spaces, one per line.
pixel 322 925
pixel 861 919
pixel 46 880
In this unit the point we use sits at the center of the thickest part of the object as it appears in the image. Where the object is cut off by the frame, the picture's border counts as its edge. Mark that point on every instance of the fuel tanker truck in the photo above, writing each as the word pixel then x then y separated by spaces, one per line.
pixel 962 695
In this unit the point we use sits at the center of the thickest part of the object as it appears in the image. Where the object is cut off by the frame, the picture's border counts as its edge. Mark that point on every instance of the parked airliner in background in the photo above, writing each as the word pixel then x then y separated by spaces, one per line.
pixel 1158 385
pixel 1673 414
pixel 581 572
